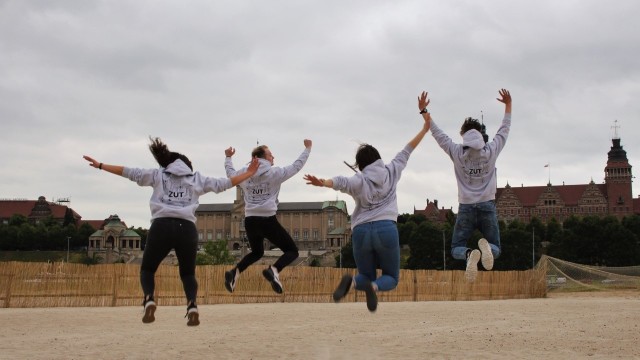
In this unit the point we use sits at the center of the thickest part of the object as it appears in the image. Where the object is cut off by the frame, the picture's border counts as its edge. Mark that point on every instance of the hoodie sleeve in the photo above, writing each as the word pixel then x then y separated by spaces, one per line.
pixel 348 185
pixel 498 142
pixel 400 161
pixel 217 185
pixel 288 171
pixel 143 177
pixel 443 140
pixel 228 167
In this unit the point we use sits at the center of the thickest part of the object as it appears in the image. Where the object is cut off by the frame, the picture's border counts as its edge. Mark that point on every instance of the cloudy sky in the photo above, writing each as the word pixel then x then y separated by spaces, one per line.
pixel 100 77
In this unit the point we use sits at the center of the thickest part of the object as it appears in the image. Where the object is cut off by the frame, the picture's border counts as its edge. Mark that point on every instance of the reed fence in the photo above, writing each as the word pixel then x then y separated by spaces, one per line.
pixel 25 284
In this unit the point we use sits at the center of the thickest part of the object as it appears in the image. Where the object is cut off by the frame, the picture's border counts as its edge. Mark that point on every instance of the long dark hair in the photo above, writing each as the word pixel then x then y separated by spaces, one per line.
pixel 163 156
pixel 365 156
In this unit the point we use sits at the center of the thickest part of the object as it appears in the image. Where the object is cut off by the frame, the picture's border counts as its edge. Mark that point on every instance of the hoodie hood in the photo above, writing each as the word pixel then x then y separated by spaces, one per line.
pixel 473 139
pixel 376 173
pixel 263 166
pixel 179 168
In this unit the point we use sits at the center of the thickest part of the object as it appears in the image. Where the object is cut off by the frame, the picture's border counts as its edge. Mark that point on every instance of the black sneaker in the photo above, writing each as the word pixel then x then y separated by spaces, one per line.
pixel 343 288
pixel 230 278
pixel 193 318
pixel 372 298
pixel 271 274
pixel 149 311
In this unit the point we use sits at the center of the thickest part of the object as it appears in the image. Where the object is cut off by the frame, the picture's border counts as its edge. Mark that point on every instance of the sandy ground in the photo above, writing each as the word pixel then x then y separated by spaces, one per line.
pixel 562 326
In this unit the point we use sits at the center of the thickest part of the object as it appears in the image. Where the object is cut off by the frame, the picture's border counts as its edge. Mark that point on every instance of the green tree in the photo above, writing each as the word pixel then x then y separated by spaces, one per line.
pixel 348 261
pixel 426 247
pixel 215 253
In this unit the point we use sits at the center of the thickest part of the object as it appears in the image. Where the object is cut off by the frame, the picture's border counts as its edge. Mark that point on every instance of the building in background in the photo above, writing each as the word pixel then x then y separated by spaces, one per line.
pixel 115 242
pixel 435 215
pixel 320 225
pixel 613 197
pixel 39 210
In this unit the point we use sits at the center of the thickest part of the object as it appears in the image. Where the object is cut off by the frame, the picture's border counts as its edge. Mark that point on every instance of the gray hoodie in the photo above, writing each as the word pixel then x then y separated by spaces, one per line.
pixel 261 190
pixel 176 189
pixel 374 189
pixel 474 161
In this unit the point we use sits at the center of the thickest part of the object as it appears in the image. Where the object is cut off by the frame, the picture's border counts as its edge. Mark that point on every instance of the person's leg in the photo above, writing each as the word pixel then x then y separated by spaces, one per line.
pixel 157 247
pixel 488 226
pixel 386 245
pixel 464 227
pixel 278 236
pixel 255 235
pixel 185 242
pixel 364 255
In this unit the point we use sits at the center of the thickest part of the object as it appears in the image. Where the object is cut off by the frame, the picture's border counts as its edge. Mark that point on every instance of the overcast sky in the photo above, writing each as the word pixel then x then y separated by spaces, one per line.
pixel 100 77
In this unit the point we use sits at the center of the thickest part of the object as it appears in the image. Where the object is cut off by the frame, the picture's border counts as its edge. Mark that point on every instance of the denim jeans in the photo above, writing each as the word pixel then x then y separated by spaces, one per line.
pixel 377 244
pixel 481 216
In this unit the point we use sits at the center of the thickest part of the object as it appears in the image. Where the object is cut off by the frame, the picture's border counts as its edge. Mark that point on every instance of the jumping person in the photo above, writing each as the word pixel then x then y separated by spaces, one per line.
pixel 474 163
pixel 373 222
pixel 176 189
pixel 260 206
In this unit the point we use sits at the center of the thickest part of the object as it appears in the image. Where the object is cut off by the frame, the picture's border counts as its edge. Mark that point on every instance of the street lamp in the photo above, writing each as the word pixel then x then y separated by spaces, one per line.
pixel 68 238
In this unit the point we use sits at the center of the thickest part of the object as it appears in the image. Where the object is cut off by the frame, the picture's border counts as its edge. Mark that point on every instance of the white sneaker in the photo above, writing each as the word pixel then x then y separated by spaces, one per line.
pixel 472 266
pixel 271 274
pixel 230 279
pixel 193 317
pixel 149 311
pixel 487 255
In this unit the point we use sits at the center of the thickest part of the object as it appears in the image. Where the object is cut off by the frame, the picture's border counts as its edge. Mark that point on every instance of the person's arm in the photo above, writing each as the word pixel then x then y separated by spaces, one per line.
pixel 251 170
pixel 228 162
pixel 290 170
pixel 114 169
pixel 423 102
pixel 505 98
pixel 315 181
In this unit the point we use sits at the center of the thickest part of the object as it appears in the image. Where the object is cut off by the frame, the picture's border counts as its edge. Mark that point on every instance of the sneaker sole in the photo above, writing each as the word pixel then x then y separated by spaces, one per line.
pixel 372 298
pixel 149 314
pixel 228 278
pixel 194 319
pixel 472 266
pixel 343 288
pixel 487 255
pixel 274 285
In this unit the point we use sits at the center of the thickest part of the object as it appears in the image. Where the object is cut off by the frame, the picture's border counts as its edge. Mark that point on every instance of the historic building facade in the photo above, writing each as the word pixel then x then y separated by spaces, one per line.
pixel 114 241
pixel 320 225
pixel 38 210
pixel 433 214
pixel 613 197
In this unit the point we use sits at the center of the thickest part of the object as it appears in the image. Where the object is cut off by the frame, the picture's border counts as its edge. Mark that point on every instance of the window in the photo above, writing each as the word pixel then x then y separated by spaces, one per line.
pixel 315 234
pixel 296 234
pixel 219 235
pixel 305 234
pixel 209 235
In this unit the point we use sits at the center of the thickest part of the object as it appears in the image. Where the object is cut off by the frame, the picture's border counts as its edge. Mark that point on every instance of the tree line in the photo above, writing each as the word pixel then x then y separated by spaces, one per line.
pixel 589 240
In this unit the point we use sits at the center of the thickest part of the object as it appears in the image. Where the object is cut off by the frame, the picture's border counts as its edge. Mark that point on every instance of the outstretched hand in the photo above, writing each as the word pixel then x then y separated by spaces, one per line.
pixel 307 143
pixel 312 180
pixel 92 162
pixel 423 100
pixel 505 96
pixel 229 152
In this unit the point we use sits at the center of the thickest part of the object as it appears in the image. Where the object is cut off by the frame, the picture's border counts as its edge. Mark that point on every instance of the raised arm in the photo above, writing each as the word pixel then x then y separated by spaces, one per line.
pixel 228 163
pixel 423 102
pixel 114 169
pixel 505 98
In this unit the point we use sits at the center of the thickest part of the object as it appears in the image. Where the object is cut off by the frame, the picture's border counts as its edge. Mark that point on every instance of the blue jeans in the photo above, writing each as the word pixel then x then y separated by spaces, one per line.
pixel 377 244
pixel 481 216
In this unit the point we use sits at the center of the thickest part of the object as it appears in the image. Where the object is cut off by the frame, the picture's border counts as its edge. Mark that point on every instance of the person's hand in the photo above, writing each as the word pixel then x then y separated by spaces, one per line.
pixel 92 162
pixel 423 100
pixel 229 152
pixel 253 166
pixel 307 143
pixel 312 180
pixel 505 96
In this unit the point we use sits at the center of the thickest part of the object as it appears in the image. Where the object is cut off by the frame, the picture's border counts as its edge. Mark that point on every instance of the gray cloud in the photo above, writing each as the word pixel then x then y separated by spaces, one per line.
pixel 99 77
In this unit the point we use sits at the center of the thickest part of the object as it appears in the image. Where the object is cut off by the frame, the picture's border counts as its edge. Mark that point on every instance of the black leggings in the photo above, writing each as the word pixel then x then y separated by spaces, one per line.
pixel 166 234
pixel 258 228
